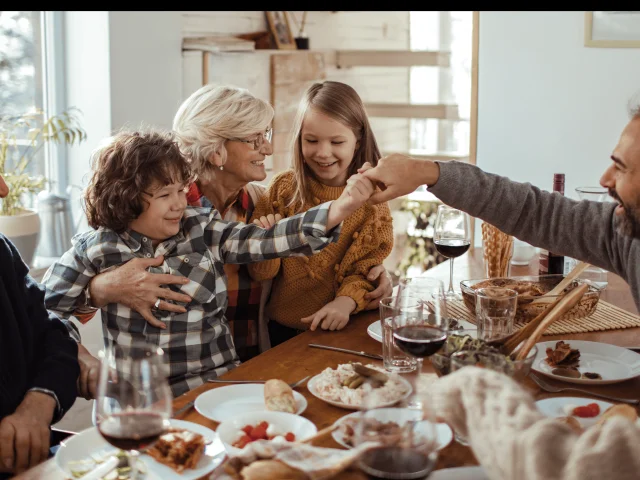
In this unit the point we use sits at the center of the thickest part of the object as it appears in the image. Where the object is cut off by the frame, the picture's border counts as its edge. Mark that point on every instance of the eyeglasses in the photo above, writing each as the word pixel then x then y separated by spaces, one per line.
pixel 257 142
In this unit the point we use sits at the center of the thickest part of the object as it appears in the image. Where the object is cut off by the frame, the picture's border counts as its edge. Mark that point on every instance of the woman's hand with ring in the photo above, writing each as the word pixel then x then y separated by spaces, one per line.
pixel 133 286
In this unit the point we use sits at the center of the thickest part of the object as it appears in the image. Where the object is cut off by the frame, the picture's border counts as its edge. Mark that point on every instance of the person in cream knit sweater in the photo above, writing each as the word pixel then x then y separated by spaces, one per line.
pixel 512 440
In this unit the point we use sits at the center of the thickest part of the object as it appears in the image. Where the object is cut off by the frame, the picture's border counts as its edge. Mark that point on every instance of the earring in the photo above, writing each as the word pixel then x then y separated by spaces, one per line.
pixel 221 167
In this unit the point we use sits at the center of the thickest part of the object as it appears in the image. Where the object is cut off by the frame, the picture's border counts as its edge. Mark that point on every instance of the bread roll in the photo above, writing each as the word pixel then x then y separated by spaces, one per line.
pixel 271 470
pixel 621 409
pixel 278 397
pixel 573 423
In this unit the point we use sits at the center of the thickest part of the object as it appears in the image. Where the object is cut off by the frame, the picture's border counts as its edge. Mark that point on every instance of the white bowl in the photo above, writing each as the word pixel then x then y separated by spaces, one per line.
pixel 230 430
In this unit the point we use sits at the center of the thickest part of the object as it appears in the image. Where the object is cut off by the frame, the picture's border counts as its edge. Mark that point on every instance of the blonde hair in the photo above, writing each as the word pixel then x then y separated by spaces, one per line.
pixel 342 103
pixel 215 113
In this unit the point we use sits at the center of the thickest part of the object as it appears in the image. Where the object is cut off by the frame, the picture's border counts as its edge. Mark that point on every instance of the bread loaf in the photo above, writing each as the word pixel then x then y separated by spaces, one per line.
pixel 278 396
pixel 271 470
pixel 621 409
pixel 573 423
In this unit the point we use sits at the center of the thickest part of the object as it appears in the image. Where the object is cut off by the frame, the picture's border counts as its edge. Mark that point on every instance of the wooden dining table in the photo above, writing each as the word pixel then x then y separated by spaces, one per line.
pixel 294 360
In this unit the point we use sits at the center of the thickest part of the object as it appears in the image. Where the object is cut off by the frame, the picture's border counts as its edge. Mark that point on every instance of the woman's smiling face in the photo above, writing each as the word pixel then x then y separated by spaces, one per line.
pixel 328 147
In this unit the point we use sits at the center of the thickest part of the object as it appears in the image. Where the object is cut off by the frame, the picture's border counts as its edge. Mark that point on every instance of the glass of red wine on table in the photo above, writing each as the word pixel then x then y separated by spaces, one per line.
pixel 420 332
pixel 406 450
pixel 452 238
pixel 134 401
pixel 397 442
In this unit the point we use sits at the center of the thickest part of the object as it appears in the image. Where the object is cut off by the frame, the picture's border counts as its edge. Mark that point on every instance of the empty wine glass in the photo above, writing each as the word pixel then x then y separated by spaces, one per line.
pixel 452 238
pixel 397 443
pixel 134 402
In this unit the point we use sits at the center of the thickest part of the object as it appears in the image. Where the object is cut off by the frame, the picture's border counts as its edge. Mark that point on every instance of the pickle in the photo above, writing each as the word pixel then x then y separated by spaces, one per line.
pixel 357 382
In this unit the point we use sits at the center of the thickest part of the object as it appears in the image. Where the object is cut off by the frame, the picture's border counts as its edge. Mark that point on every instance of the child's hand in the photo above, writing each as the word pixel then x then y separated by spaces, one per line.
pixel 268 221
pixel 334 315
pixel 355 194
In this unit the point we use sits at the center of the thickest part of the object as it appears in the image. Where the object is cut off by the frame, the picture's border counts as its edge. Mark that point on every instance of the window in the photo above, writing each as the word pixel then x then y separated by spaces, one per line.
pixel 447 32
pixel 28 74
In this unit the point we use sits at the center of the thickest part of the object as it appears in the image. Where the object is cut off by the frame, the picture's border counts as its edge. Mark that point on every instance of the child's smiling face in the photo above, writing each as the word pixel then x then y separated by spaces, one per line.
pixel 328 147
pixel 163 208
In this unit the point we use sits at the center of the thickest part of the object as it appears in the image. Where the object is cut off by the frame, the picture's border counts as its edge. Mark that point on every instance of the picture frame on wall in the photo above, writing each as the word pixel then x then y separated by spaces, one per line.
pixel 280 28
pixel 619 29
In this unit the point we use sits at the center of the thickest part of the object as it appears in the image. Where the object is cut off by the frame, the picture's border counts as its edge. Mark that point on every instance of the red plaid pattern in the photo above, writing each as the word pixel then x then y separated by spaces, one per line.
pixel 243 292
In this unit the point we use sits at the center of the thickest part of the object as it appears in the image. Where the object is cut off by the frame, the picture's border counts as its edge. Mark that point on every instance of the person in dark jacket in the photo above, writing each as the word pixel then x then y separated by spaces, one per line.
pixel 38 364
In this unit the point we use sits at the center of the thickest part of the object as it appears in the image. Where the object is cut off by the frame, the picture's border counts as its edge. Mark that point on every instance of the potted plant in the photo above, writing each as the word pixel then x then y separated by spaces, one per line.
pixel 22 138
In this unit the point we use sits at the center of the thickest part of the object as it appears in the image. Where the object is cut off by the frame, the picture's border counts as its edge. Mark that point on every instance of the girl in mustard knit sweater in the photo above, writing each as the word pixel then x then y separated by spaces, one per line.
pixel 332 140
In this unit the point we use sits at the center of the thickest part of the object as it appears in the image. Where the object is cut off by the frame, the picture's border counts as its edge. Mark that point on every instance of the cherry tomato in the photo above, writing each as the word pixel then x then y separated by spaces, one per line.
pixel 242 441
pixel 259 432
pixel 290 437
pixel 587 411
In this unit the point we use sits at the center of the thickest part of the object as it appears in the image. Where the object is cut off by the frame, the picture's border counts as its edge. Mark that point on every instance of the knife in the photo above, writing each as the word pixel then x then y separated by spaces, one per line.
pixel 345 350
pixel 183 409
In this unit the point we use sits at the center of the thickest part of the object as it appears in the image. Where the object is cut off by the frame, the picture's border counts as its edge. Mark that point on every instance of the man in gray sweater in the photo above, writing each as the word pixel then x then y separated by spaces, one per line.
pixel 604 234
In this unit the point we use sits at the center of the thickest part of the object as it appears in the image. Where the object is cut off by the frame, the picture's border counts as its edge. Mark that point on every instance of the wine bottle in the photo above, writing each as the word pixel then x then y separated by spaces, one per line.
pixel 552 263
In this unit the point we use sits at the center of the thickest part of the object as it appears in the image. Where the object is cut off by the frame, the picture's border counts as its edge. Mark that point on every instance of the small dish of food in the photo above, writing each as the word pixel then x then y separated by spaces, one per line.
pixel 344 387
pixel 579 361
pixel 391 423
pixel 529 288
pixel 479 353
pixel 581 413
pixel 241 430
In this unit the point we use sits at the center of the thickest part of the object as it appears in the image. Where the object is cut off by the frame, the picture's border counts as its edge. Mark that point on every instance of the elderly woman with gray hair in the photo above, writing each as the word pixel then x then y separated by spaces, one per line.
pixel 225 132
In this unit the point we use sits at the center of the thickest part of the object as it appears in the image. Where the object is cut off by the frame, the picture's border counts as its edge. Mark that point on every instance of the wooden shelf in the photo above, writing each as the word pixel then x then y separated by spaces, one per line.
pixel 412 110
pixel 391 58
pixel 444 156
pixel 359 58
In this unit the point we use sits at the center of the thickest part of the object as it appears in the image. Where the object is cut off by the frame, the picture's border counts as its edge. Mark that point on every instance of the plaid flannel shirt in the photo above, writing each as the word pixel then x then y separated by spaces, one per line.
pixel 198 344
pixel 243 292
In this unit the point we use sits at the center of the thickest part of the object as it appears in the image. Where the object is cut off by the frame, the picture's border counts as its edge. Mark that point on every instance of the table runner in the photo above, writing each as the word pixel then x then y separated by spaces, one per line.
pixel 606 317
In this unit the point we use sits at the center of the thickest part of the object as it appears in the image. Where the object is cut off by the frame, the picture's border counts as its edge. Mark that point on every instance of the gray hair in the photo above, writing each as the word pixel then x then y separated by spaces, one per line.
pixel 633 106
pixel 215 113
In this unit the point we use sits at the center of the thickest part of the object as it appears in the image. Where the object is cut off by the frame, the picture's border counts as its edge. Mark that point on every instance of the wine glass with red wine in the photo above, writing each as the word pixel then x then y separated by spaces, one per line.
pixel 400 441
pixel 420 332
pixel 452 238
pixel 134 402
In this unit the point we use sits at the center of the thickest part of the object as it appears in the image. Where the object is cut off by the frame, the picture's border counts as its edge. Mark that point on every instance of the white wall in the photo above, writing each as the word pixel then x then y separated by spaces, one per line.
pixel 546 103
pixel 122 68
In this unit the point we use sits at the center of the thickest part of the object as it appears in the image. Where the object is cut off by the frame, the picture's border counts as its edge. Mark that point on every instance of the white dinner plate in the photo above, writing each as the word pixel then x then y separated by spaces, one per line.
pixel 311 386
pixel 615 364
pixel 460 473
pixel 87 442
pixel 555 407
pixel 443 432
pixel 375 331
pixel 221 403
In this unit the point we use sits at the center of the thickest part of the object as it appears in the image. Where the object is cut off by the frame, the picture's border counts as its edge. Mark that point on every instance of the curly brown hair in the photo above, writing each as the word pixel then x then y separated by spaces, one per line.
pixel 125 168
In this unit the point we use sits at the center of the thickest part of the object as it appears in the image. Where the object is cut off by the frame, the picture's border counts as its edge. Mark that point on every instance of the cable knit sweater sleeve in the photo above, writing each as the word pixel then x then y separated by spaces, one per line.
pixel 512 439
pixel 271 202
pixel 369 247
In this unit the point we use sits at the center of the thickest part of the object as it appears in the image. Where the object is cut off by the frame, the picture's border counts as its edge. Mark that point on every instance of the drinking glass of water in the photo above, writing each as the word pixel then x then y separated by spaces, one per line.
pixel 495 312
pixel 452 238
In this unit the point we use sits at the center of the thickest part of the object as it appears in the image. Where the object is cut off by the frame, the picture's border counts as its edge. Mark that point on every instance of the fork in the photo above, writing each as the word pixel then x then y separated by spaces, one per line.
pixel 292 385
pixel 552 389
